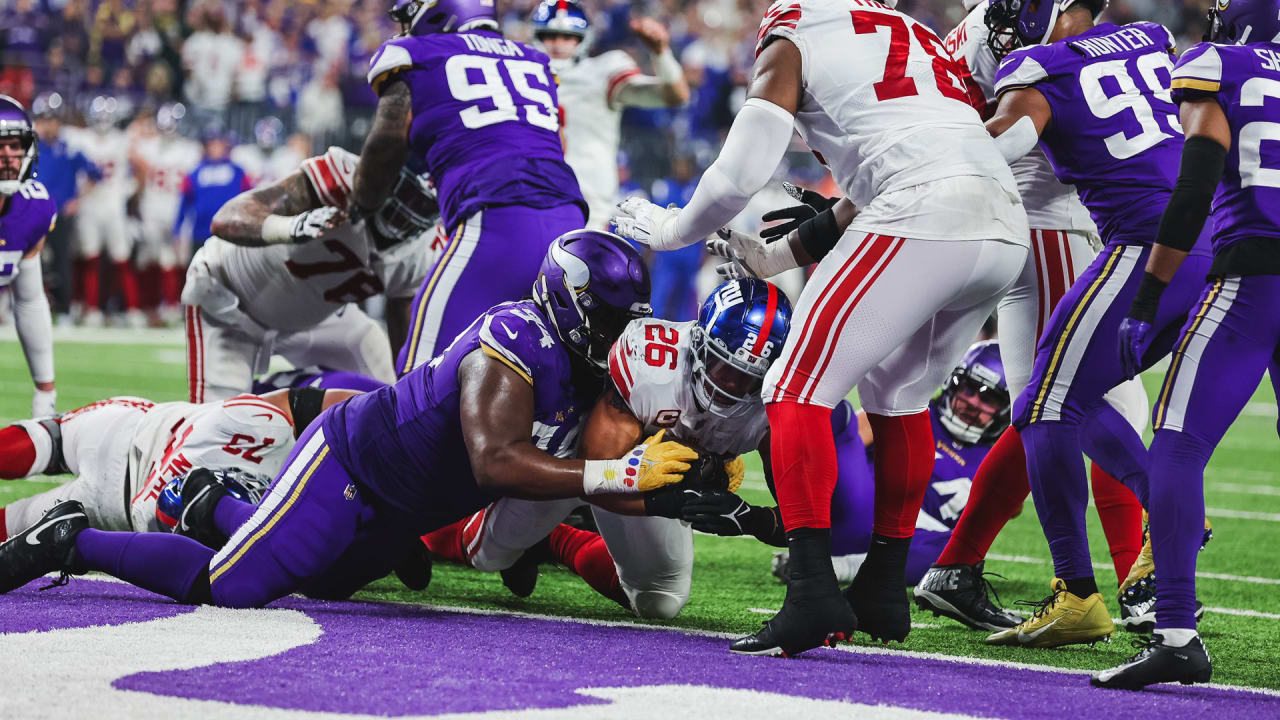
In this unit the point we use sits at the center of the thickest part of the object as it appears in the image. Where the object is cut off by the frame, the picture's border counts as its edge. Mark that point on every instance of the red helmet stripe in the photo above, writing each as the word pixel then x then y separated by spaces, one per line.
pixel 771 307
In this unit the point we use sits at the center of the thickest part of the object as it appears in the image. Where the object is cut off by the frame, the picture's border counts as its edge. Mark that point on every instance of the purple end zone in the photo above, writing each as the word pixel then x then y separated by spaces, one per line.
pixel 401 660
pixel 81 604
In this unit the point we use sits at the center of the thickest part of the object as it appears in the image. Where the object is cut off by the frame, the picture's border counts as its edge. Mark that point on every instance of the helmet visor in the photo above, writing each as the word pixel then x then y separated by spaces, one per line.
pixel 975 403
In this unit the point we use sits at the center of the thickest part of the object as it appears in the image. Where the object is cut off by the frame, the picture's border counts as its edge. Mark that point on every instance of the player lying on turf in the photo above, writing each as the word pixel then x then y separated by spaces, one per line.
pixel 1222 91
pixel 698 380
pixel 494 415
pixel 284 268
pixel 130 448
pixel 27 214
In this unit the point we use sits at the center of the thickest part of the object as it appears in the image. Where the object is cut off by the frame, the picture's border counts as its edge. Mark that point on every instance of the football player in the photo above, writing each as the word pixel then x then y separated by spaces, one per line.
pixel 479 113
pixel 133 448
pixel 284 269
pixel 700 382
pixel 375 472
pixel 1096 100
pixel 947 231
pixel 1221 87
pixel 161 158
pixel 594 90
pixel 315 376
pixel 27 214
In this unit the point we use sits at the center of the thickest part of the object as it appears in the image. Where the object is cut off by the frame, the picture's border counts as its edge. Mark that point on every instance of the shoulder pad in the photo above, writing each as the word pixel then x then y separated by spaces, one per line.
pixel 331 175
pixel 391 58
pixel 516 335
pixel 779 20
pixel 1022 68
pixel 1199 69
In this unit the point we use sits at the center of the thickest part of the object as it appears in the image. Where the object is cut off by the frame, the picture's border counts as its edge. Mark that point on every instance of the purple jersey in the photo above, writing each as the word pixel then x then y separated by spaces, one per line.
pixel 404 443
pixel 1245 81
pixel 954 465
pixel 1115 133
pixel 485 119
pixel 28 216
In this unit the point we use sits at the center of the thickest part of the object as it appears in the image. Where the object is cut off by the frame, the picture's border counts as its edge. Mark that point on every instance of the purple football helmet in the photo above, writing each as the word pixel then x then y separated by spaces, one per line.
pixel 1236 22
pixel 15 123
pixel 974 404
pixel 590 286
pixel 424 17
pixel 1018 23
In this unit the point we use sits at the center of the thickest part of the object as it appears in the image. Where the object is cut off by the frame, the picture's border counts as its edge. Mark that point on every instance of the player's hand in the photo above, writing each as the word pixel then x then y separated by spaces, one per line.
pixel 717 512
pixel 640 220
pixel 1133 344
pixel 736 469
pixel 650 465
pixel 757 257
pixel 812 203
pixel 44 403
pixel 652 33
pixel 669 501
pixel 312 224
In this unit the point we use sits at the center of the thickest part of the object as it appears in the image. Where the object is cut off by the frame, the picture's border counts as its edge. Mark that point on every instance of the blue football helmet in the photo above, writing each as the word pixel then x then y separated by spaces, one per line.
pixel 1018 23
pixel 1236 22
pixel 974 404
pixel 740 331
pixel 240 484
pixel 560 17
pixel 15 123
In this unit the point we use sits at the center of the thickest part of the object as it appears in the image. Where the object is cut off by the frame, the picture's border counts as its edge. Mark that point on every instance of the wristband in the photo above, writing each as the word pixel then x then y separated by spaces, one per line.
pixel 666 68
pixel 601 477
pixel 819 234
pixel 1147 301
pixel 278 229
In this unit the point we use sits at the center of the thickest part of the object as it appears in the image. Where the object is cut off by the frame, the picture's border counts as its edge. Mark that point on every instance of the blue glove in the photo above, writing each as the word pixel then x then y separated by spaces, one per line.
pixel 1133 344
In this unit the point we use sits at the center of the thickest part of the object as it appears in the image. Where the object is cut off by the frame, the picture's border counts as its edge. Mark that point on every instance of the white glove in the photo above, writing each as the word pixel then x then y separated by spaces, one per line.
pixel 303 227
pixel 648 224
pixel 44 403
pixel 759 258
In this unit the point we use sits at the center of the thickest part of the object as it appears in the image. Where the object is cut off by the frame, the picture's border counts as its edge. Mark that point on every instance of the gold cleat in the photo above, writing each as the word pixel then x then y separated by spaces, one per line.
pixel 1060 619
pixel 1145 564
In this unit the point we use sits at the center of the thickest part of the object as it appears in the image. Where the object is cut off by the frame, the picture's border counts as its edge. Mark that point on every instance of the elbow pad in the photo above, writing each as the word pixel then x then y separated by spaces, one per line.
pixel 1018 140
pixel 1202 162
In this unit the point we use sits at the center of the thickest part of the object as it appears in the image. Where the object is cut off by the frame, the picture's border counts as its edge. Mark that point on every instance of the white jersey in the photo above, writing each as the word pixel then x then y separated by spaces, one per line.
pixel 109 150
pixel 651 365
pixel 1050 205
pixel 295 287
pixel 887 109
pixel 169 159
pixel 587 88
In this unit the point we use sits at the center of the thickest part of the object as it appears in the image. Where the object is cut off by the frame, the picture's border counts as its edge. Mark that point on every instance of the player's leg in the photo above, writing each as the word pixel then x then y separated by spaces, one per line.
pixel 654 559
pixel 492 257
pixel 25 512
pixel 896 395
pixel 853 502
pixel 1119 509
pixel 118 242
pixel 348 340
pixel 89 239
pixel 220 360
pixel 586 554
pixel 1217 364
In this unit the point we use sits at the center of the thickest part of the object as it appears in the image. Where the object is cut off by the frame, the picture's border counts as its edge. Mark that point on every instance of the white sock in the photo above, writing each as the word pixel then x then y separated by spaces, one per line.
pixel 847 566
pixel 42 442
pixel 1176 637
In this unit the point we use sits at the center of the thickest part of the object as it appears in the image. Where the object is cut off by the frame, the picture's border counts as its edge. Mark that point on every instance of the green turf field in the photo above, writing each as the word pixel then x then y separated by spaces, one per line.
pixel 1240 578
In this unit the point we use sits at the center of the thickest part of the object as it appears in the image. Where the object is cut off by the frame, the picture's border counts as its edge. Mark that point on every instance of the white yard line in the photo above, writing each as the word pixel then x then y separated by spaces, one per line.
pixel 106 336
pixel 1241 514
pixel 1104 566
pixel 1227 487
pixel 1243 613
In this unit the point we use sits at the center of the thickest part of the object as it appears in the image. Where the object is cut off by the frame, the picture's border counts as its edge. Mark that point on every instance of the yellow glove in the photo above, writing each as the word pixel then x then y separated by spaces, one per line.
pixel 736 469
pixel 650 465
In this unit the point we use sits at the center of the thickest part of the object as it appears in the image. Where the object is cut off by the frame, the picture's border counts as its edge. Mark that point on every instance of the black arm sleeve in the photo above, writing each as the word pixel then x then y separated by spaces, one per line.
pixel 305 404
pixel 1202 163
pixel 819 234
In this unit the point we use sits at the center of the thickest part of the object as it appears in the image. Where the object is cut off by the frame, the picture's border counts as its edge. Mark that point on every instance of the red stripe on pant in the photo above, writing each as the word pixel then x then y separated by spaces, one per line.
pixel 817 327
pixel 195 356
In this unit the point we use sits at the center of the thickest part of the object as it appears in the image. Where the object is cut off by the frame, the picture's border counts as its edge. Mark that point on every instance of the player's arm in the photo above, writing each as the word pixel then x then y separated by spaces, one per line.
pixel 303 405
pixel 496 406
pixel 667 87
pixel 1021 116
pixel 385 148
pixel 286 211
pixel 34 323
pixel 1204 156
pixel 720 512
pixel 755 145
pixel 611 430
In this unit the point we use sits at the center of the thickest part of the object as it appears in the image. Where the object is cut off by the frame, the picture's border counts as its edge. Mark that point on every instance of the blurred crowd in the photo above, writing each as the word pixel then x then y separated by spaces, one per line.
pixel 261 84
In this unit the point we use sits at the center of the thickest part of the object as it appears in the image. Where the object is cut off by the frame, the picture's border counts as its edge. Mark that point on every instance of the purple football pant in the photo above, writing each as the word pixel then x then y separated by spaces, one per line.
pixel 492 257
pixel 1217 364
pixel 1077 362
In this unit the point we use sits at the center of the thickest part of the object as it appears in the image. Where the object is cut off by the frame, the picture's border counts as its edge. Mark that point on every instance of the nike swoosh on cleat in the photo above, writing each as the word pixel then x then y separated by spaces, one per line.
pixel 1026 637
pixel 31 536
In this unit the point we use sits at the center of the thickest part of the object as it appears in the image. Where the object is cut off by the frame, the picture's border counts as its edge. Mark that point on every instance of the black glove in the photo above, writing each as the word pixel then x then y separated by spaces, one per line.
pixel 722 513
pixel 706 473
pixel 814 203
pixel 668 501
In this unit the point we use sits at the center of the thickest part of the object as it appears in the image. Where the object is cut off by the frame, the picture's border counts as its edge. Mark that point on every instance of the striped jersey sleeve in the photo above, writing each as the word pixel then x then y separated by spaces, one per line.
pixel 331 175
pixel 1199 70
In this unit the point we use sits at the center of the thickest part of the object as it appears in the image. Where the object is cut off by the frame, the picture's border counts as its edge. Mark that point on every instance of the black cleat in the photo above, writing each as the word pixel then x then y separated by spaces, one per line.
pixel 414 569
pixel 807 620
pixel 962 593
pixel 200 492
pixel 878 594
pixel 1158 663
pixel 1138 606
pixel 47 546
pixel 522 577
